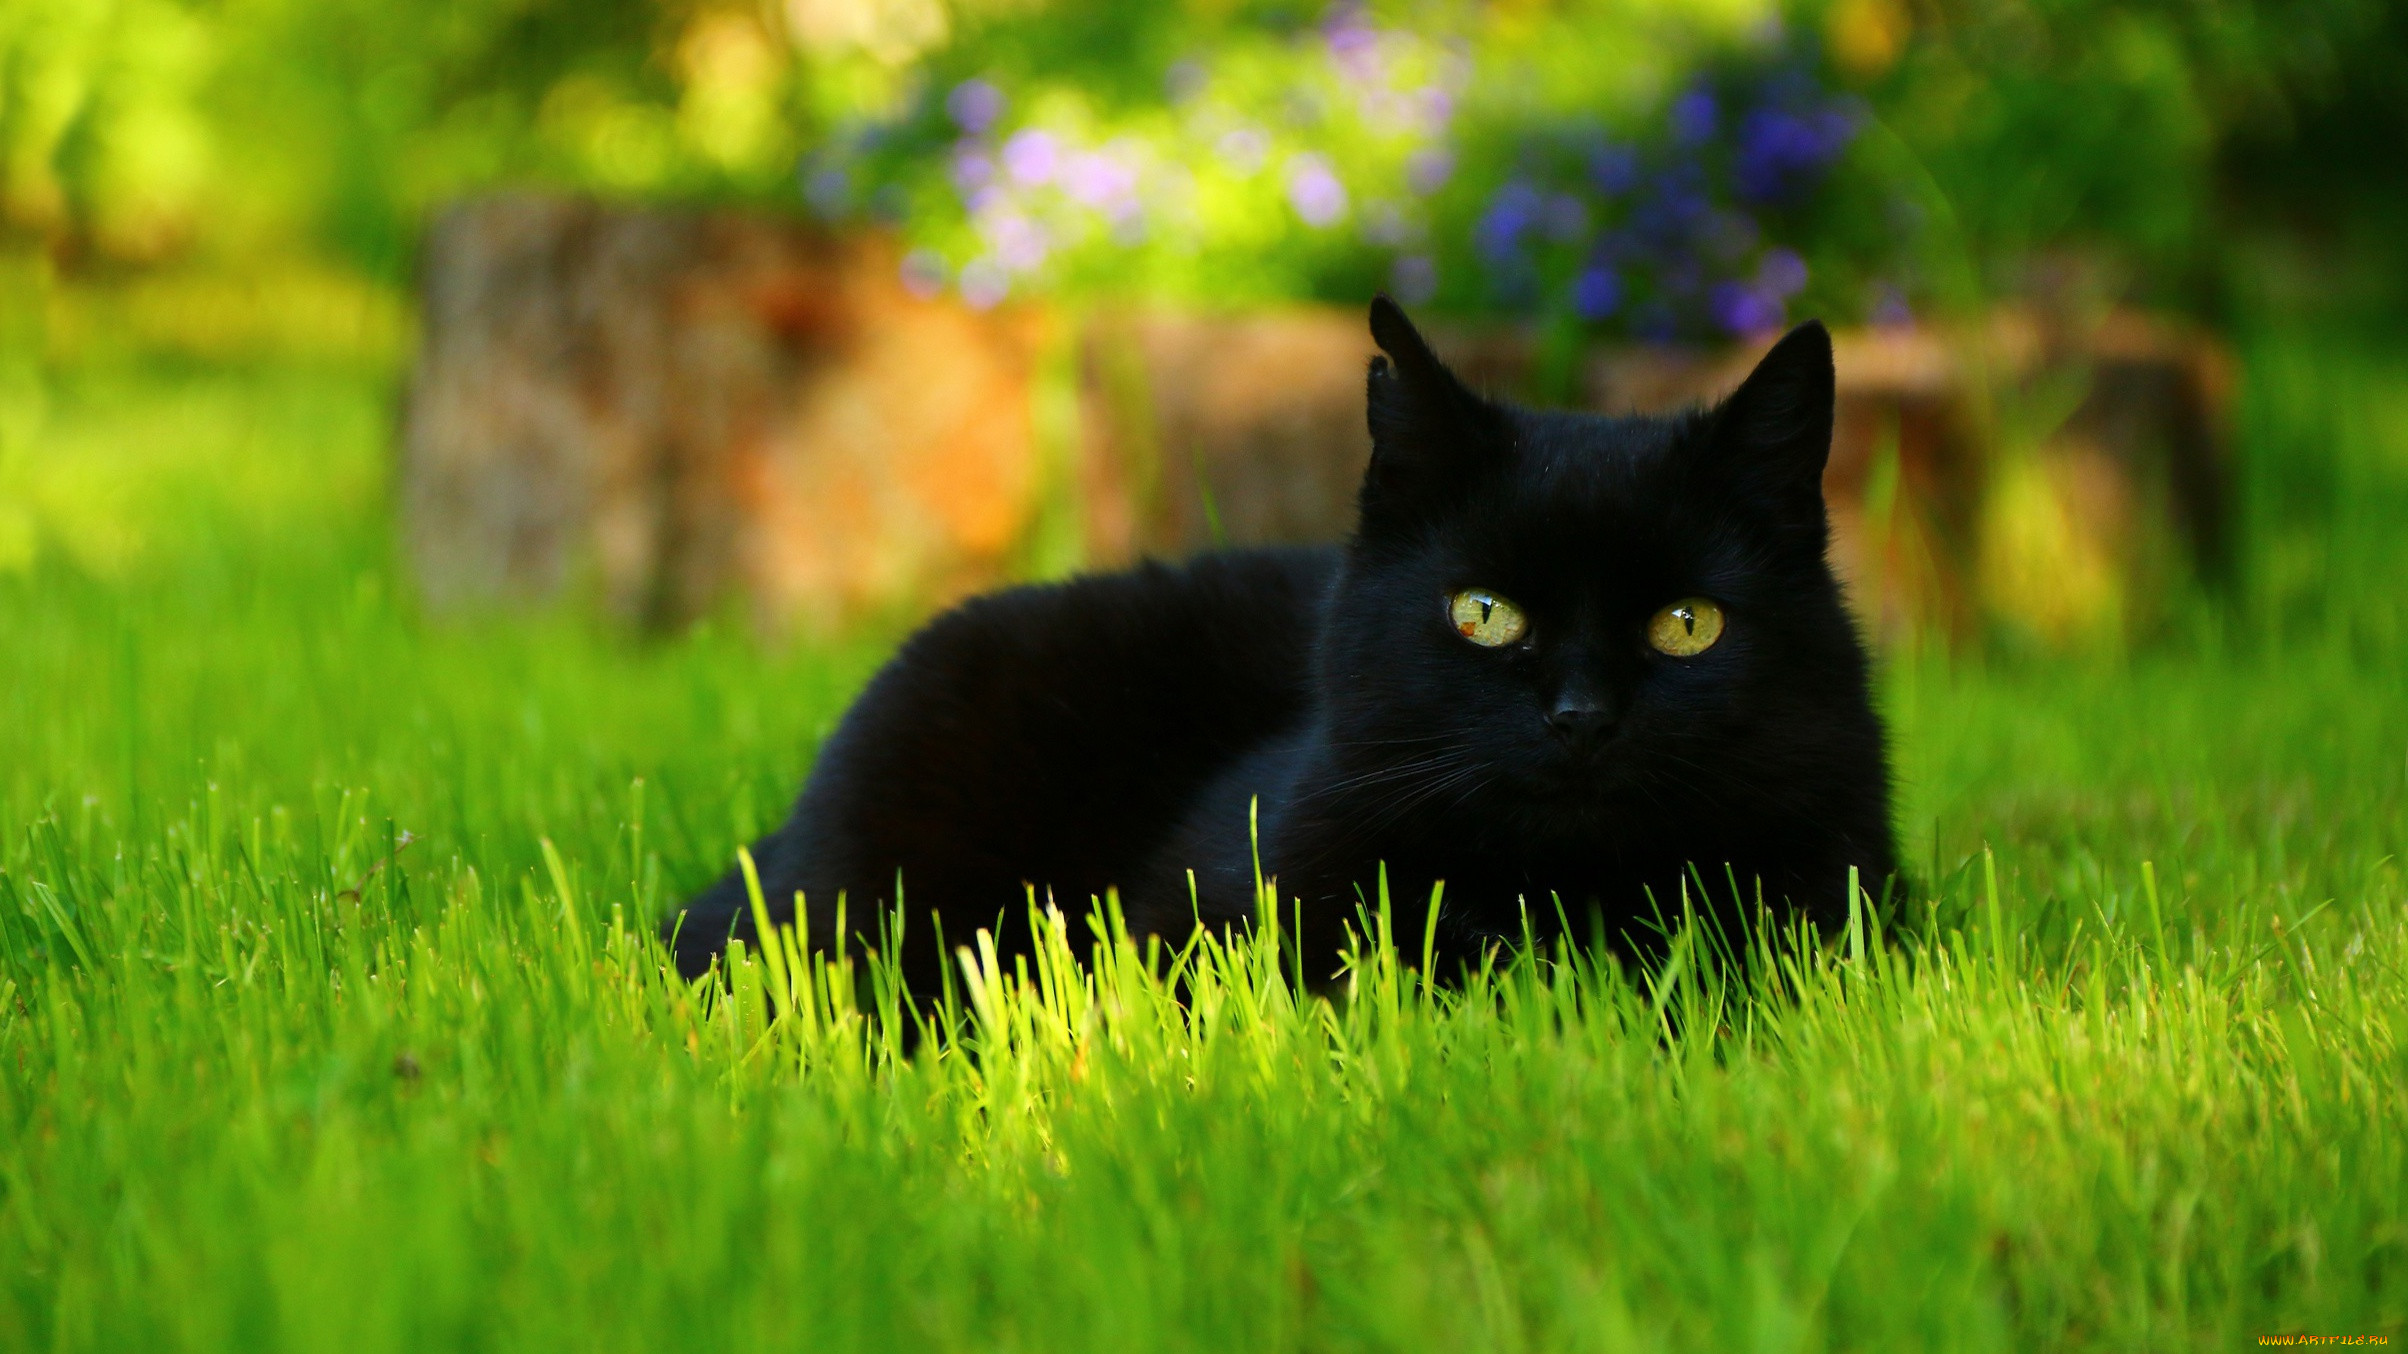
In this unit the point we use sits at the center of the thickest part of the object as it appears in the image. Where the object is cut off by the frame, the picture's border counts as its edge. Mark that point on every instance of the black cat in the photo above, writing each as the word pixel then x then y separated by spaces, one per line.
pixel 1566 663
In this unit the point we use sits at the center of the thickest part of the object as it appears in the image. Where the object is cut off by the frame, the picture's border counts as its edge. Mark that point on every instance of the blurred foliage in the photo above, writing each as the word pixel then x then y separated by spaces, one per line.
pixel 2142 132
pixel 1661 166
pixel 1647 169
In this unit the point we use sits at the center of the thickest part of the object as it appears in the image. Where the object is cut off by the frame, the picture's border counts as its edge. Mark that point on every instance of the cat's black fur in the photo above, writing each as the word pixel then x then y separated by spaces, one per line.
pixel 1113 730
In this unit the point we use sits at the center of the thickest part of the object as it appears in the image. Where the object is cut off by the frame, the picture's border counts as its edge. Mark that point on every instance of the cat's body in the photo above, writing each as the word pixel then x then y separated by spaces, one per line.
pixel 1048 735
pixel 1116 731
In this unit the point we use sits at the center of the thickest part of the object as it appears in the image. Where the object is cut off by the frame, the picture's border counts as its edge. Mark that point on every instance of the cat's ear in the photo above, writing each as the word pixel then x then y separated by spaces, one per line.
pixel 1427 431
pixel 1772 436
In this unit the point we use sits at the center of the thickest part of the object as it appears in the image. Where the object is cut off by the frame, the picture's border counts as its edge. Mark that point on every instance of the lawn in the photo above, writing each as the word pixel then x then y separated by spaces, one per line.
pixel 330 1018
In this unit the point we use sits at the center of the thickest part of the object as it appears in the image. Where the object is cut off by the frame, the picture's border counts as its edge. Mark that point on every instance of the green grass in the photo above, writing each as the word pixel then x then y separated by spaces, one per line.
pixel 271 1078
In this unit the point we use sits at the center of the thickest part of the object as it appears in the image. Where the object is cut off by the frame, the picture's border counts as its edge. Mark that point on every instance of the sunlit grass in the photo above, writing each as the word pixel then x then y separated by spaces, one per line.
pixel 330 1016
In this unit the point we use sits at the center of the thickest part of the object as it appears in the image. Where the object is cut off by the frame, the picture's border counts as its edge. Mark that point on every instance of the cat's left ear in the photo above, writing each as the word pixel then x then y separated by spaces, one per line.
pixel 1772 436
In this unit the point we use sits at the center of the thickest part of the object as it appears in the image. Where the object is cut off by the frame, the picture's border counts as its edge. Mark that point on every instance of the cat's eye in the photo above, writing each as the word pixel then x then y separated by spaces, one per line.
pixel 1686 628
pixel 1485 618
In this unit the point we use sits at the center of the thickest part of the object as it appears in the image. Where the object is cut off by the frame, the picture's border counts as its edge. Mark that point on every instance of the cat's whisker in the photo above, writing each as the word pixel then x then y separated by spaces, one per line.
pixel 1400 741
pixel 1399 770
pixel 1405 802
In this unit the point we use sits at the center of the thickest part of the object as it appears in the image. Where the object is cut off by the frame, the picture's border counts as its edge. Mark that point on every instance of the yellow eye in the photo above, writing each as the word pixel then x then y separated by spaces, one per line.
pixel 1485 618
pixel 1687 628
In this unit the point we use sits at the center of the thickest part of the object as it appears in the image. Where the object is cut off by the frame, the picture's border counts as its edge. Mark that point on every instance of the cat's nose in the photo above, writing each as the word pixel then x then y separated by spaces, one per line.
pixel 1583 723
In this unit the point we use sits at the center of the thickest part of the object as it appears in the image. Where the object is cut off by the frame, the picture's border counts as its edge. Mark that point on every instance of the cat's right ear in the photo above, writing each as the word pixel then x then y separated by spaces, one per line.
pixel 1772 436
pixel 1428 433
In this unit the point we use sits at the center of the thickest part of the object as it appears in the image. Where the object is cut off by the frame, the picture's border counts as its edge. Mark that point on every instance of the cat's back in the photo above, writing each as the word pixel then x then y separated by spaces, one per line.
pixel 1145 672
pixel 1050 734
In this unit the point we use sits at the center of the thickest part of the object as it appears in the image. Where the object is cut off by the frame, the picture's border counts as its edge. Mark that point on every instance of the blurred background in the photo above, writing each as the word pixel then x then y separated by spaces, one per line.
pixel 458 457
pixel 813 314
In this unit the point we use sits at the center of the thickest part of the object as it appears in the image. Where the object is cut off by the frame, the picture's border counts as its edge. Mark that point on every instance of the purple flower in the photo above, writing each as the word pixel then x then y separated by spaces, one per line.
pixel 974 105
pixel 923 273
pixel 1436 106
pixel 1596 293
pixel 1314 191
pixel 973 169
pixel 984 283
pixel 1742 310
pixel 1031 155
pixel 1185 79
pixel 1890 310
pixel 1781 273
pixel 1385 223
pixel 1353 42
pixel 1414 278
pixel 1693 116
pixel 1094 178
pixel 1014 241
pixel 1243 148
pixel 1387 109
pixel 1428 169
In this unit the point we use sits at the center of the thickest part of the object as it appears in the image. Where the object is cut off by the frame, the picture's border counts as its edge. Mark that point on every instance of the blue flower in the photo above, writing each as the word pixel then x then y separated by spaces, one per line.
pixel 1415 278
pixel 1781 272
pixel 828 188
pixel 1596 293
pixel 1566 219
pixel 1510 215
pixel 974 105
pixel 1668 218
pixel 1428 169
pixel 1742 310
pixel 1782 151
pixel 1614 168
pixel 1889 309
pixel 1693 116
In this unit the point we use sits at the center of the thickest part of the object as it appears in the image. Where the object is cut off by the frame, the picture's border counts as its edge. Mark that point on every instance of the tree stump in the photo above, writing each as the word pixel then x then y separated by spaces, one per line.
pixel 675 406
pixel 2052 474
pixel 1246 429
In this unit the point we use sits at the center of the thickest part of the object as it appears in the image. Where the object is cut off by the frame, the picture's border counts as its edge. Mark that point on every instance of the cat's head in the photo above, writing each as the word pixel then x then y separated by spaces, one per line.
pixel 1586 623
